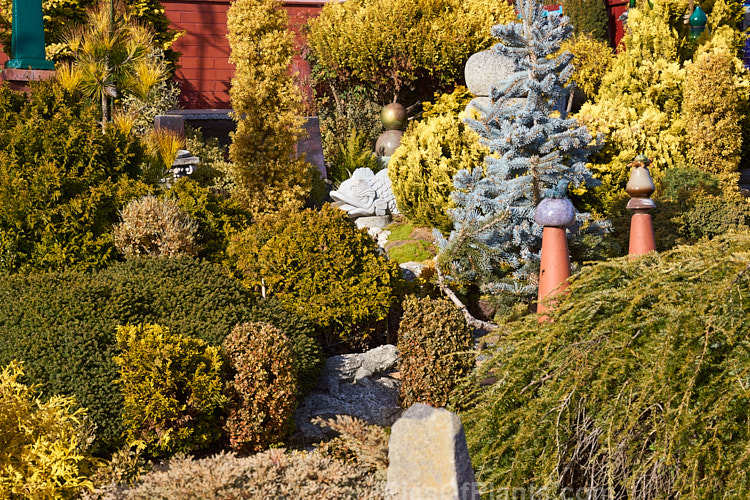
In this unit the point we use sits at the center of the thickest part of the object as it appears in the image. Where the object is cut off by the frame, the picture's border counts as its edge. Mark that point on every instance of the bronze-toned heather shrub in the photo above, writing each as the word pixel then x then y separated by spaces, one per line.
pixel 321 267
pixel 263 389
pixel 637 386
pixel 45 450
pixel 271 474
pixel 436 350
pixel 308 354
pixel 356 442
pixel 155 228
pixel 172 390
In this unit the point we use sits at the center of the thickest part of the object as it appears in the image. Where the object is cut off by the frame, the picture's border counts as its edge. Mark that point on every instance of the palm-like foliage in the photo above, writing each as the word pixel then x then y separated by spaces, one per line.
pixel 112 56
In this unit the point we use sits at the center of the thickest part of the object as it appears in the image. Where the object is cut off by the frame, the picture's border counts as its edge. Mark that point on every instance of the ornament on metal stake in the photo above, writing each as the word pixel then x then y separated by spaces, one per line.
pixel 555 213
pixel 640 187
pixel 27 37
pixel 697 21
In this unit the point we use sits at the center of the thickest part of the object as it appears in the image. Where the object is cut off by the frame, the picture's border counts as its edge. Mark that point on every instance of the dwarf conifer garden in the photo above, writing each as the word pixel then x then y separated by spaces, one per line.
pixel 166 337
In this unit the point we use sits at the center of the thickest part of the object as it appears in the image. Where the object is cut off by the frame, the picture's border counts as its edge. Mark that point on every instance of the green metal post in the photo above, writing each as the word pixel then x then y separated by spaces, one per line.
pixel 28 37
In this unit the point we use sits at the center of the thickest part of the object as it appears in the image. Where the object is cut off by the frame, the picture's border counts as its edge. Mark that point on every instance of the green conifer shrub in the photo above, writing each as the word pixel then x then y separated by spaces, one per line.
pixel 637 387
pixel 435 348
pixel 172 390
pixel 588 17
pixel 262 390
pixel 62 324
pixel 217 216
pixel 45 450
pixel 61 181
pixel 319 266
pixel 266 104
pixel 432 150
pixel 690 205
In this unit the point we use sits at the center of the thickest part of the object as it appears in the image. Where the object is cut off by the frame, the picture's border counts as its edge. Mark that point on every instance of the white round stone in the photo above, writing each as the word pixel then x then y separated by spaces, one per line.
pixel 484 69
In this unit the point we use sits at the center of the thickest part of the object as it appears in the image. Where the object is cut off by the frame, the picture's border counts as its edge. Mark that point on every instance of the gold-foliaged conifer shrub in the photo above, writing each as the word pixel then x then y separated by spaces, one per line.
pixel 432 150
pixel 267 106
pixel 391 45
pixel 643 107
pixel 172 389
pixel 318 265
pixel 46 441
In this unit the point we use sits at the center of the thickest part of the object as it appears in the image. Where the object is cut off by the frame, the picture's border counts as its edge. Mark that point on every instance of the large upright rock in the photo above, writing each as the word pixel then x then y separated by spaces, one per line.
pixel 429 458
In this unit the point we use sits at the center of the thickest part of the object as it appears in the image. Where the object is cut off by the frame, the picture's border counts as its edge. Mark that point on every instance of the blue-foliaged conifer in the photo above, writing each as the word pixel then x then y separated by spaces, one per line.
pixel 495 241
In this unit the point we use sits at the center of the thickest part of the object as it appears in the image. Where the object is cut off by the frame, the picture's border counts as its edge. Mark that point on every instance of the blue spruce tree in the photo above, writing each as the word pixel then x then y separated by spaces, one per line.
pixel 495 242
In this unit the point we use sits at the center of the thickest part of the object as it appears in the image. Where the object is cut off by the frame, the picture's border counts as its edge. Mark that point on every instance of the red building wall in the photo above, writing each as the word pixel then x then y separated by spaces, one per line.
pixel 206 71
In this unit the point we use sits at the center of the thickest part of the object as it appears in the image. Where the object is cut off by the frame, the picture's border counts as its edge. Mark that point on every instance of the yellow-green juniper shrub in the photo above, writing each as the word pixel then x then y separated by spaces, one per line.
pixel 637 385
pixel 171 387
pixel 45 450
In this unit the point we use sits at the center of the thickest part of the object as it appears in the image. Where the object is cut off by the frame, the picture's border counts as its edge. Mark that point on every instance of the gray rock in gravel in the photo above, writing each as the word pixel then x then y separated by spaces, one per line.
pixel 355 385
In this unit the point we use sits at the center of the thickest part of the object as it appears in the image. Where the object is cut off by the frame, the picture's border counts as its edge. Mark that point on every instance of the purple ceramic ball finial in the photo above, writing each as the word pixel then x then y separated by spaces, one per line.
pixel 557 212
